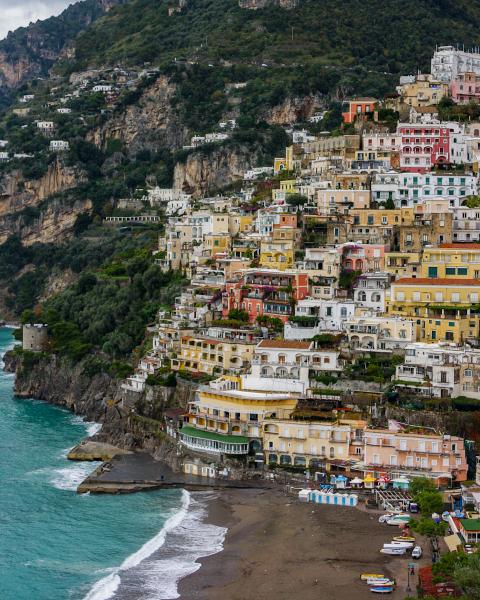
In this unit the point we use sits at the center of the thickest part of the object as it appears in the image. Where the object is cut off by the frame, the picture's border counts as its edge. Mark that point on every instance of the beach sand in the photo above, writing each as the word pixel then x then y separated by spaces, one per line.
pixel 277 548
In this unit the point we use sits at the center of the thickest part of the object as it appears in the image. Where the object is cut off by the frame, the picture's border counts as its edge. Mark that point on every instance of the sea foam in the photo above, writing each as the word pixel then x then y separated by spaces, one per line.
pixel 106 587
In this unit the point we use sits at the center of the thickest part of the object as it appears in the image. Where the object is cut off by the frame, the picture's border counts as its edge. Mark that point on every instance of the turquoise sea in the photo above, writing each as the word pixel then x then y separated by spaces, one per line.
pixel 57 545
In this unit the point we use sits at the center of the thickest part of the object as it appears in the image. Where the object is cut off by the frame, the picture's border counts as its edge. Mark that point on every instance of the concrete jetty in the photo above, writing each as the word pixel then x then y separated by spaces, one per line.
pixel 134 472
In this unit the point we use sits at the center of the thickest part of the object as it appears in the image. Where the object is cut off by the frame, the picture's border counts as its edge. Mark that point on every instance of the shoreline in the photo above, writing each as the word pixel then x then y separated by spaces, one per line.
pixel 277 548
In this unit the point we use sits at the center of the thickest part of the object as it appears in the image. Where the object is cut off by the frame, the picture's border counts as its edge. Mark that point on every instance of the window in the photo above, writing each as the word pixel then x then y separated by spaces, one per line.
pixel 462 271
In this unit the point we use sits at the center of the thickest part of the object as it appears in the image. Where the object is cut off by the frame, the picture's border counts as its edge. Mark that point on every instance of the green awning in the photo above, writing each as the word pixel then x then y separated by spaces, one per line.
pixel 211 435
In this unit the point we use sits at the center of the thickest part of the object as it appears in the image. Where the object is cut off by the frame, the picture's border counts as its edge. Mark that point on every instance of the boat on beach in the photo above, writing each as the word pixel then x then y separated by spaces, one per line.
pixel 403 538
pixel 382 590
pixel 394 551
pixel 399 545
pixel 367 576
pixel 380 582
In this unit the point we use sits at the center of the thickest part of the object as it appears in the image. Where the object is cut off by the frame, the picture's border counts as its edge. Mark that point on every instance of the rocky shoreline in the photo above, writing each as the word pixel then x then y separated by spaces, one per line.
pixel 101 399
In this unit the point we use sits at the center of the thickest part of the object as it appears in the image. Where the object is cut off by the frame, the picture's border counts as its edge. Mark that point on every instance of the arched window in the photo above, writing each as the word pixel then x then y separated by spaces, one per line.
pixel 272 459
pixel 362 297
pixel 285 459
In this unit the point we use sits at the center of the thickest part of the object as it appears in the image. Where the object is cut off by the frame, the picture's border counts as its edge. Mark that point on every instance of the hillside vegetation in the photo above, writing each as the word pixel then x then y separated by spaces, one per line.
pixel 384 35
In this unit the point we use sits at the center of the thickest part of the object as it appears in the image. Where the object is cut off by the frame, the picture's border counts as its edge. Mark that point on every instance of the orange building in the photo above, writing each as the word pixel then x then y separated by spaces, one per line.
pixel 359 107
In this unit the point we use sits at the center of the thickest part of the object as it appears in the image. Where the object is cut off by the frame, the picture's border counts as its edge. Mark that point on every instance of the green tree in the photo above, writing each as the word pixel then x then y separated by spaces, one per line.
pixel 467 576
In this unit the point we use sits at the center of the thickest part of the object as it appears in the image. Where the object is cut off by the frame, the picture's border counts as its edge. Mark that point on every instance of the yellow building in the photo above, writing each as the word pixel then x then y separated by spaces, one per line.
pixel 223 414
pixel 284 164
pixel 424 91
pixel 216 243
pixel 239 224
pixel 442 308
pixel 402 264
pixel 451 261
pixel 205 354
pixel 277 254
pixel 304 444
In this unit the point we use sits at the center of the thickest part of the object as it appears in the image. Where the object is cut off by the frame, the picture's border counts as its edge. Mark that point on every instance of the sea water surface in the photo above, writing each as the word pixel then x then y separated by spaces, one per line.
pixel 57 545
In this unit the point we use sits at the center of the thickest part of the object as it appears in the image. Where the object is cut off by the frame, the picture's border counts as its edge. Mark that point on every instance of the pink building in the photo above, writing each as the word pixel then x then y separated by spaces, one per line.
pixel 439 457
pixel 363 257
pixel 465 88
pixel 424 146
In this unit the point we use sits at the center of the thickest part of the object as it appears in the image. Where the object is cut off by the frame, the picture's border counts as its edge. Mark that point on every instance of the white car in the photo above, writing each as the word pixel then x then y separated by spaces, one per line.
pixel 417 552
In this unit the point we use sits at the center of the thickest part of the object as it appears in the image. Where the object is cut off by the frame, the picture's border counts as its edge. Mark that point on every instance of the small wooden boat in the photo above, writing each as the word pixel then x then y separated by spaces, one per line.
pixel 403 538
pixel 366 576
pixel 382 590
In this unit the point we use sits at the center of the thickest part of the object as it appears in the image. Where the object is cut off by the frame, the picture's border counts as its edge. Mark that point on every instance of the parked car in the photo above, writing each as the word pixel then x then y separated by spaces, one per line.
pixel 417 552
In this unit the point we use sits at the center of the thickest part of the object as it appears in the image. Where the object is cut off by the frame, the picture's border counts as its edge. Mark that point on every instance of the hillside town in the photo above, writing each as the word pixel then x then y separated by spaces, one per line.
pixel 347 270
pixel 329 297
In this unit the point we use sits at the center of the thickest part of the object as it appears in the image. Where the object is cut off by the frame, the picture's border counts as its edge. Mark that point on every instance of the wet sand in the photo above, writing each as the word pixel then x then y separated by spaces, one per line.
pixel 277 548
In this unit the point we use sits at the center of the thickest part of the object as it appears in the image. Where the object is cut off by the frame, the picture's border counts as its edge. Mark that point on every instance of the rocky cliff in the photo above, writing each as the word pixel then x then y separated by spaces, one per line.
pixel 31 51
pixel 100 398
pixel 294 109
pixel 151 123
pixel 29 208
pixel 209 169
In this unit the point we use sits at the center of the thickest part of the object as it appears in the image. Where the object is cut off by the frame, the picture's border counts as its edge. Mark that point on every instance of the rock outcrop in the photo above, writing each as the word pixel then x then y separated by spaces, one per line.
pixel 207 170
pixel 293 109
pixel 151 123
pixel 31 209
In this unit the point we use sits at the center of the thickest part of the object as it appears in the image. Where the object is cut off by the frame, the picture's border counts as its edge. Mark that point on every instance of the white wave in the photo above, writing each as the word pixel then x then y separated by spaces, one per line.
pixel 105 588
pixel 92 428
pixel 69 478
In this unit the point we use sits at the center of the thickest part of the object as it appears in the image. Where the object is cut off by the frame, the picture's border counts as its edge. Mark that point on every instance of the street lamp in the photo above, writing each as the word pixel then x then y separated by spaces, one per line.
pixel 410 571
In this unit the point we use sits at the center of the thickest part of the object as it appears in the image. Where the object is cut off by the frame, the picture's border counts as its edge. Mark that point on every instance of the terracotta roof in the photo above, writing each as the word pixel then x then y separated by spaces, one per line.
pixel 461 246
pixel 428 281
pixel 286 344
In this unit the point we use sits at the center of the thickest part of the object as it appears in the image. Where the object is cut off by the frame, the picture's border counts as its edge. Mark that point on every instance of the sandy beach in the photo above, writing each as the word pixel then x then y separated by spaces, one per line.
pixel 279 549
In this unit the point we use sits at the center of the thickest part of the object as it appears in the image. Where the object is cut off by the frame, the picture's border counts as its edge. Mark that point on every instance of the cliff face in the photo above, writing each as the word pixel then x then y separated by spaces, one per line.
pixel 150 123
pixel 31 51
pixel 100 398
pixel 208 170
pixel 293 109
pixel 24 212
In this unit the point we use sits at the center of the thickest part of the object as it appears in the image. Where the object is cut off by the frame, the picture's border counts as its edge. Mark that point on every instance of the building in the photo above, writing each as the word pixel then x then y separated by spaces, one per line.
pixel 370 291
pixel 266 292
pixel 425 229
pixel 363 257
pixel 466 224
pixel 285 365
pixel 225 414
pixel 441 308
pixel 414 453
pixel 465 88
pixel 379 334
pixel 358 108
pixel 449 62
pixel 341 201
pixel 46 126
pixel 215 351
pixel 277 254
pixel 307 444
pixel 59 146
pixel 451 261
pixel 314 316
pixel 440 370
pixel 421 90
pixel 429 145
pixel 34 337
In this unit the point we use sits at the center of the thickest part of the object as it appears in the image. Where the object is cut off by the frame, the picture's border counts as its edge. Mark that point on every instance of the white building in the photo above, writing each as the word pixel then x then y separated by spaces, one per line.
pixel 3 156
pixel 381 142
pixel 466 224
pixel 46 126
pixel 370 290
pixel 410 189
pixel 379 333
pixel 59 146
pixel 64 111
pixel 216 137
pixel 27 98
pixel 257 172
pixel 103 87
pixel 448 62
pixel 324 316
pixel 284 365
pixel 3 143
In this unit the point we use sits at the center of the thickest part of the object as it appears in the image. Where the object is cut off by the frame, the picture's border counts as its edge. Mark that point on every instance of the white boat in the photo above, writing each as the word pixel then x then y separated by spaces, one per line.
pixel 380 582
pixel 395 551
pixel 400 544
pixel 382 590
